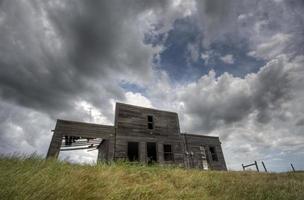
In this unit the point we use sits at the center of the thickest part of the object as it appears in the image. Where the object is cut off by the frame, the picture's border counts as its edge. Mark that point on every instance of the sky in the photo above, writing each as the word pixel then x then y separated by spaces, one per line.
pixel 229 68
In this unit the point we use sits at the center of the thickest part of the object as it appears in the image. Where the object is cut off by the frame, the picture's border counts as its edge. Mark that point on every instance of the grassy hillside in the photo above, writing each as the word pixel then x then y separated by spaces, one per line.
pixel 34 178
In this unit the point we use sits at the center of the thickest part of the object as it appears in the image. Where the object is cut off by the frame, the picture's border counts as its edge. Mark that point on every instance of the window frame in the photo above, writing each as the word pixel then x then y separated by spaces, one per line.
pixel 150 123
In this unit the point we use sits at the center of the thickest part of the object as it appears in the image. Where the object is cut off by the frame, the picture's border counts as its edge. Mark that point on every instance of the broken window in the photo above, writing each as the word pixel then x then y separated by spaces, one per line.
pixel 150 122
pixel 133 151
pixel 213 153
pixel 168 155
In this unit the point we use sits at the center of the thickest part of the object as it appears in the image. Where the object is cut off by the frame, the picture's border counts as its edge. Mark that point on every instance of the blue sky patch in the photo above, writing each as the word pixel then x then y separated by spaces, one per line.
pixel 174 59
pixel 132 87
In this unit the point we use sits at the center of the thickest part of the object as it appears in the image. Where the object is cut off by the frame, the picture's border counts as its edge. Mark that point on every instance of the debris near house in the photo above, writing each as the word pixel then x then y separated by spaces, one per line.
pixel 140 135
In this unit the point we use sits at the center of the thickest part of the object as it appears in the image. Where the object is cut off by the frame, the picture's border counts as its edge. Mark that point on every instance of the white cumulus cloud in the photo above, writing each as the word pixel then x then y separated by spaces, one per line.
pixel 228 59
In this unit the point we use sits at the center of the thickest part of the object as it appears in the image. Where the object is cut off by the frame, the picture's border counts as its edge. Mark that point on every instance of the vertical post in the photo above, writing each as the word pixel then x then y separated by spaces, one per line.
pixel 189 157
pixel 115 135
pixel 160 152
pixel 243 167
pixel 192 160
pixel 55 145
pixel 293 169
pixel 186 159
pixel 264 166
pixel 256 164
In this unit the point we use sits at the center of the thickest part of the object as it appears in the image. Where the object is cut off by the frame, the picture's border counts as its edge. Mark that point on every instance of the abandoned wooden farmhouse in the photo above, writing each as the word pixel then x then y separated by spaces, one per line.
pixel 140 134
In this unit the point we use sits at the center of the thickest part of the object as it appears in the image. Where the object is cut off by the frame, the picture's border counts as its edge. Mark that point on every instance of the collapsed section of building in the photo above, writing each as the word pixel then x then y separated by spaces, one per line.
pixel 143 135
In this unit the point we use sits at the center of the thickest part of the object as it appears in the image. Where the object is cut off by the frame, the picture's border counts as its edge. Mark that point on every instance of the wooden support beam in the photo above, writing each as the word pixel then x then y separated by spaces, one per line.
pixel 78 148
pixel 256 164
pixel 248 165
pixel 55 144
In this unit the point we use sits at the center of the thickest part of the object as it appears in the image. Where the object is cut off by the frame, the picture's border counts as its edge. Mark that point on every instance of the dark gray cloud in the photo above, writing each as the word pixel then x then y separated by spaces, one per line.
pixel 34 73
pixel 272 88
pixel 100 36
pixel 300 122
pixel 252 20
pixel 54 53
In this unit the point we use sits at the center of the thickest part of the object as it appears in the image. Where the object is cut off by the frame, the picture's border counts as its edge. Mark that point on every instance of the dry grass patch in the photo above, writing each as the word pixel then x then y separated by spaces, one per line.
pixel 35 178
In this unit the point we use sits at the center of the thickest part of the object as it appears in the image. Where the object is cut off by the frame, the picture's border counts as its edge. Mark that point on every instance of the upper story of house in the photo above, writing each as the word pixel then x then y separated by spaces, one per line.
pixel 134 120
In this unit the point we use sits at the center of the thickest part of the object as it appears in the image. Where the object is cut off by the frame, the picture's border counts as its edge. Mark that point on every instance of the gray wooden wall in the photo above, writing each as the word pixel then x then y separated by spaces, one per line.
pixel 193 144
pixel 131 123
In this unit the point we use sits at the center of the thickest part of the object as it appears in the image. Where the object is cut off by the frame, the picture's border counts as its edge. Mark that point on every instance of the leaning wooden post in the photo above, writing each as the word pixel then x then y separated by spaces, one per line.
pixel 293 169
pixel 256 164
pixel 55 144
pixel 264 166
pixel 243 167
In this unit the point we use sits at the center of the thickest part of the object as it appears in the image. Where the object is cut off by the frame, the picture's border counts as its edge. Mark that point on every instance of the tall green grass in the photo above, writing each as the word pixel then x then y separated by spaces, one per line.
pixel 36 178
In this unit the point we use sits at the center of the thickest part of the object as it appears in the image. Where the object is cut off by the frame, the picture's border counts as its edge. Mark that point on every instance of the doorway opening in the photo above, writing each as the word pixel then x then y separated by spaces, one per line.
pixel 151 152
pixel 133 151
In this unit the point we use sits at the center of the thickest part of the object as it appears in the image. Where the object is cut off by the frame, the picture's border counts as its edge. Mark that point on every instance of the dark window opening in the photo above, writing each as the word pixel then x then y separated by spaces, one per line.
pixel 150 118
pixel 150 126
pixel 150 122
pixel 168 155
pixel 151 152
pixel 213 153
pixel 133 151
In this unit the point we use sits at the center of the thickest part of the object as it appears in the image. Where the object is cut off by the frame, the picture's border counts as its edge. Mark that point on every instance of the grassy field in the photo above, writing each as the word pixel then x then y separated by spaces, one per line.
pixel 34 178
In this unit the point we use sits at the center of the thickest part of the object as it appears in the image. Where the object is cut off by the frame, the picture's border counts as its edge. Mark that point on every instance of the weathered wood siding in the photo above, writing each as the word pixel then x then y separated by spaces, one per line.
pixel 106 150
pixel 132 121
pixel 193 144
pixel 132 126
pixel 80 129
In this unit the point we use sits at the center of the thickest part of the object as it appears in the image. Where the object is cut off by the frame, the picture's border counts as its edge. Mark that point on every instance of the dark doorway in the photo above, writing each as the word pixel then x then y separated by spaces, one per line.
pixel 213 153
pixel 151 152
pixel 133 151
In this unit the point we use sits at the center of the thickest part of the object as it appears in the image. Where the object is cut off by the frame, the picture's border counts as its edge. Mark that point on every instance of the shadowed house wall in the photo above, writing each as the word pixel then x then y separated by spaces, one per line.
pixel 144 135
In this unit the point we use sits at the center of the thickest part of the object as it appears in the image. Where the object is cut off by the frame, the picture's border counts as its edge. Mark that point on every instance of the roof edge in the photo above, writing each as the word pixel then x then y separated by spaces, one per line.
pixel 71 121
pixel 197 135
pixel 141 107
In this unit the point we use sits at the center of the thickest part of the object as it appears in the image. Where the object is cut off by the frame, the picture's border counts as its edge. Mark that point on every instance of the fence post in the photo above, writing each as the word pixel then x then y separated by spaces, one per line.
pixel 293 169
pixel 243 167
pixel 264 166
pixel 256 164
